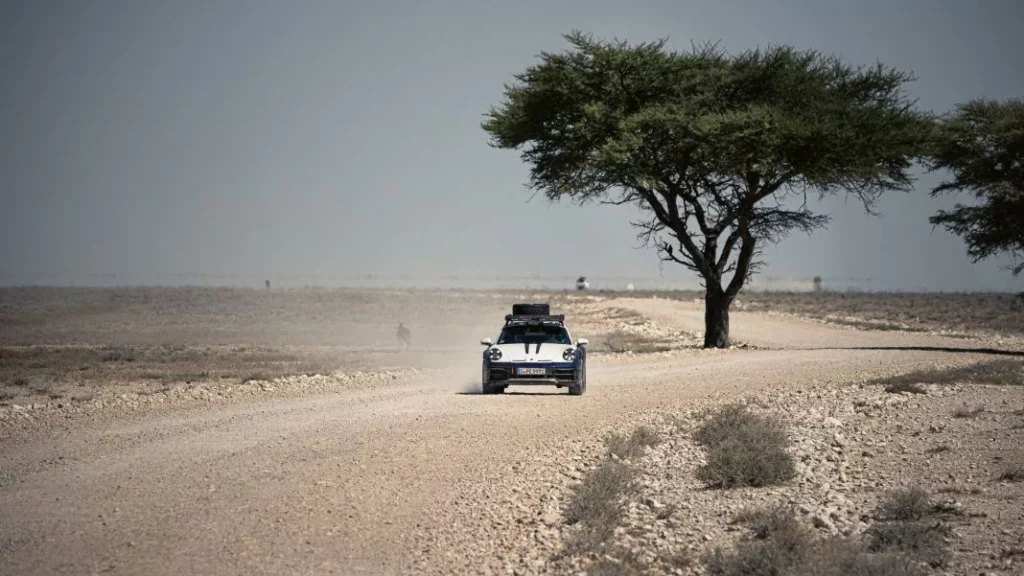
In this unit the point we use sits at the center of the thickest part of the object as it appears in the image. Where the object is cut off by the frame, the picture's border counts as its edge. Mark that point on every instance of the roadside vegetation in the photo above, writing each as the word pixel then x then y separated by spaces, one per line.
pixel 743 449
pixel 70 373
pixel 975 312
pixel 626 447
pixel 906 540
pixel 596 505
pixel 1003 372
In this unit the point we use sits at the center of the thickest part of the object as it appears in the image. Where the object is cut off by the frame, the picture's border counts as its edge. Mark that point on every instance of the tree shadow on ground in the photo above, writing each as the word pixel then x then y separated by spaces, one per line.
pixel 479 393
pixel 990 351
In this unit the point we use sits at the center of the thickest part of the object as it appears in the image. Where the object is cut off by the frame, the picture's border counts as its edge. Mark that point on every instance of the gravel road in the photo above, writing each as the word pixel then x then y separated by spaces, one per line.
pixel 363 481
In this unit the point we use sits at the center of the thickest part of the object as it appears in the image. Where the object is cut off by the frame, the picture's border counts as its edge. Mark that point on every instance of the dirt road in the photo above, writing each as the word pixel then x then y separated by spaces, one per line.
pixel 362 481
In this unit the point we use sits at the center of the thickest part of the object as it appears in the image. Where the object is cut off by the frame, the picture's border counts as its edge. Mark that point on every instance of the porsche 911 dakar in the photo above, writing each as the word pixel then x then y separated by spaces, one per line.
pixel 534 348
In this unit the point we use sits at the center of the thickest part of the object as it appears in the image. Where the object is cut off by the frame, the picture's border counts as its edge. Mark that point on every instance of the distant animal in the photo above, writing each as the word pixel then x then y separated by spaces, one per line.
pixel 266 283
pixel 404 337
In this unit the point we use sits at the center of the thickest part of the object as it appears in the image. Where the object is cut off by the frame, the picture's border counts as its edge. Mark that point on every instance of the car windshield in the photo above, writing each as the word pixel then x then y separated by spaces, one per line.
pixel 534 334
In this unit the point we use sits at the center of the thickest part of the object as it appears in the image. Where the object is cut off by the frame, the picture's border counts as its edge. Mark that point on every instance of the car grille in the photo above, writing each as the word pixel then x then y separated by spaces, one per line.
pixel 564 373
pixel 505 373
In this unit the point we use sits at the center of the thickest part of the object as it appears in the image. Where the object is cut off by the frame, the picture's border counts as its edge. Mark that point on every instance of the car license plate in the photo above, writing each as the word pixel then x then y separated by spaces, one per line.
pixel 531 371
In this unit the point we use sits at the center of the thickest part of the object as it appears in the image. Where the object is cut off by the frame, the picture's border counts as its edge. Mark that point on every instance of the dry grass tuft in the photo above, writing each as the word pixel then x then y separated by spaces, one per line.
pixel 779 544
pixel 597 504
pixel 1012 474
pixel 626 447
pixel 967 413
pixel 667 512
pixel 776 522
pixel 900 387
pixel 923 541
pixel 743 449
pixel 905 505
pixel 907 530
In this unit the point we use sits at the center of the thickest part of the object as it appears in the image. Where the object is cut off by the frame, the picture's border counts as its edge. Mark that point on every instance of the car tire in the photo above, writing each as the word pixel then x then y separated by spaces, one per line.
pixel 492 389
pixel 578 388
pixel 531 309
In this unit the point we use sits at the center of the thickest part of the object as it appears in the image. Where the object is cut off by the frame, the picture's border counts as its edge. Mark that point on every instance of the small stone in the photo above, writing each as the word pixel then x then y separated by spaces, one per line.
pixel 551 518
pixel 653 504
pixel 822 521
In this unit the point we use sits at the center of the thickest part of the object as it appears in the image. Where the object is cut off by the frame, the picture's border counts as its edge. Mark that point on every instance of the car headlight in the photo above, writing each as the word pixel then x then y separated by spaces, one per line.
pixel 568 354
pixel 495 354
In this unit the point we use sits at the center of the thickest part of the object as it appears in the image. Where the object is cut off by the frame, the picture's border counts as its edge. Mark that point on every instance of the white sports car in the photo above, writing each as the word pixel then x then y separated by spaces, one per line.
pixel 534 348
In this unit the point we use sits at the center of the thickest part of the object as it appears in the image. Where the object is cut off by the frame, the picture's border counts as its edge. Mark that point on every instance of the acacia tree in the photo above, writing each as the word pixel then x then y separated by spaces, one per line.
pixel 718 151
pixel 982 144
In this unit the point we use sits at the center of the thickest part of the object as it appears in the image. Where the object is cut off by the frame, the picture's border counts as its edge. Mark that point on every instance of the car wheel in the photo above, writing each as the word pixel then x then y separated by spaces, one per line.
pixel 578 388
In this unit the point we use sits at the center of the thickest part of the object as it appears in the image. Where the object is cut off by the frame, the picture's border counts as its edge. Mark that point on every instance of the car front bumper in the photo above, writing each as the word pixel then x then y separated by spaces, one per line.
pixel 557 373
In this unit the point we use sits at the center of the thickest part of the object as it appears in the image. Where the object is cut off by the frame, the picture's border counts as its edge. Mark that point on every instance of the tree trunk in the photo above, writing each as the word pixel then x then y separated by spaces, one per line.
pixel 716 318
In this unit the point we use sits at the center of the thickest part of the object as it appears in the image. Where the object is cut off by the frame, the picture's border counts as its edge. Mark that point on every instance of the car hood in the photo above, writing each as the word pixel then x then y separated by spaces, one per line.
pixel 530 353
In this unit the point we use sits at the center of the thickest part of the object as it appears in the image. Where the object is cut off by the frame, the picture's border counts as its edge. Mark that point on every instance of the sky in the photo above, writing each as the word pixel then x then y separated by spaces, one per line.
pixel 309 142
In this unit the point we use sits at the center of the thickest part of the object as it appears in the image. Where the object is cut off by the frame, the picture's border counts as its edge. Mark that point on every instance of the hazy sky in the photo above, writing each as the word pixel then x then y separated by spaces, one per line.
pixel 255 140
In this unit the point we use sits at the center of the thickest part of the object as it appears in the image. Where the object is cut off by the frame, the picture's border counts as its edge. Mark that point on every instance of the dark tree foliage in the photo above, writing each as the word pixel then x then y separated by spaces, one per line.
pixel 982 145
pixel 718 151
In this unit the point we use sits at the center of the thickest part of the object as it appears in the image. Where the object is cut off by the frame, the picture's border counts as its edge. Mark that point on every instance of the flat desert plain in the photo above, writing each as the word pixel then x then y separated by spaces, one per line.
pixel 282 431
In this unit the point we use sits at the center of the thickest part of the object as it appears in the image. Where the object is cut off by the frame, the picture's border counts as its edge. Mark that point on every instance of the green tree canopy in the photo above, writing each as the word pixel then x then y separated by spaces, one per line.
pixel 718 151
pixel 981 144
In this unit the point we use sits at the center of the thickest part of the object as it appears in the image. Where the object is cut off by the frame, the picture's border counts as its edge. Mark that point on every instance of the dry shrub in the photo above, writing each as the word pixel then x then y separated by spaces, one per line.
pixel 597 503
pixel 780 545
pixel 923 541
pixel 967 413
pixel 743 449
pixel 846 557
pixel 607 567
pixel 776 523
pixel 625 447
pixel 907 530
pixel 1013 474
pixel 667 512
pixel 625 565
pixel 900 387
pixel 905 505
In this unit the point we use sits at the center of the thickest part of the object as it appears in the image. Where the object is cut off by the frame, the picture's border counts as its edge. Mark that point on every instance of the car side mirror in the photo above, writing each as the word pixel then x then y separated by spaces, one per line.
pixel 581 342
pixel 486 341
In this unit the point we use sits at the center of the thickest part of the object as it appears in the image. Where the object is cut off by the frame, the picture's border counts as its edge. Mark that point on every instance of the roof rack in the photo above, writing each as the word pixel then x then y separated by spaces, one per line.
pixel 533 319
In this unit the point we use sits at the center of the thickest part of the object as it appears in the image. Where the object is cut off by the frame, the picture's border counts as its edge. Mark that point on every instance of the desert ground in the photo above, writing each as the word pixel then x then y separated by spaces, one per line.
pixel 281 431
